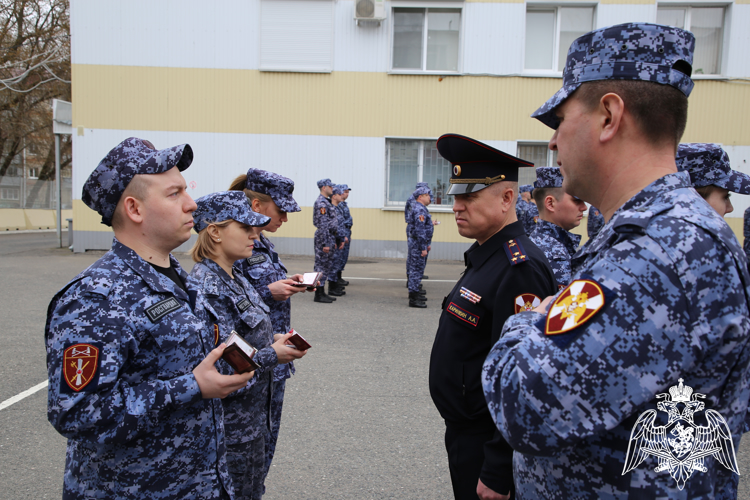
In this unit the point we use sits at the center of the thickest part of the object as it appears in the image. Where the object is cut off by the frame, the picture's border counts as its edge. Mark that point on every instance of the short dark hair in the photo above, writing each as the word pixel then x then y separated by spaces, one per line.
pixel 541 193
pixel 138 189
pixel 659 110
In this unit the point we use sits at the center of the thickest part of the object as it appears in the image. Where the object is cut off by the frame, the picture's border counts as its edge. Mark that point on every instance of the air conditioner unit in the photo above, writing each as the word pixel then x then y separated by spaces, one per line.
pixel 369 10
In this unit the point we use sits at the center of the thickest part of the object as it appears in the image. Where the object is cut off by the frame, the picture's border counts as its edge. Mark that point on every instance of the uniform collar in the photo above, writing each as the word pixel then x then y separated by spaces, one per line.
pixel 155 280
pixel 263 244
pixel 233 284
pixel 478 254
pixel 568 239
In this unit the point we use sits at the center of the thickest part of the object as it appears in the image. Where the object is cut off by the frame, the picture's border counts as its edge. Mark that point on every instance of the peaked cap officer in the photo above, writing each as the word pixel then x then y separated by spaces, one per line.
pixel 505 273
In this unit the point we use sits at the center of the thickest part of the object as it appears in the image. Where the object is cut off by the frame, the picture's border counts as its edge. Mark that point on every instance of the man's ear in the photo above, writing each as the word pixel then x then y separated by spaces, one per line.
pixel 134 209
pixel 507 198
pixel 549 203
pixel 610 114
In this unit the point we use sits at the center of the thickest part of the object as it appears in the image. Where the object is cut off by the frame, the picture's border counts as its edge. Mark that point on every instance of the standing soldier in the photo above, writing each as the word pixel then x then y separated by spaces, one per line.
pixel 409 226
pixel 660 297
pixel 129 345
pixel 558 214
pixel 529 214
pixel 505 273
pixel 326 238
pixel 595 222
pixel 336 288
pixel 419 246
pixel 348 223
pixel 746 233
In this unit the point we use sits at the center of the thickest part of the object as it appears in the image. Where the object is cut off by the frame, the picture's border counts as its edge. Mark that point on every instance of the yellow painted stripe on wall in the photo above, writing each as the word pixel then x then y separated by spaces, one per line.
pixel 742 1
pixel 354 104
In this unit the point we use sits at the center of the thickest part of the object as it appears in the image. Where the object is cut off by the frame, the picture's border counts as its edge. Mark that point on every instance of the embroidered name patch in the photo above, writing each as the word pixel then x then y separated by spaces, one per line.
pixel 515 252
pixel 243 304
pixel 463 314
pixel 574 306
pixel 526 302
pixel 255 259
pixel 80 364
pixel 162 308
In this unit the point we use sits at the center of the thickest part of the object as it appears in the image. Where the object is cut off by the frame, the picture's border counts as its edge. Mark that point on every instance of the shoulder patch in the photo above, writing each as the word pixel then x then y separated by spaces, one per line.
pixel 421 218
pixel 575 305
pixel 322 210
pixel 255 259
pixel 526 302
pixel 536 219
pixel 515 252
pixel 162 308
pixel 79 368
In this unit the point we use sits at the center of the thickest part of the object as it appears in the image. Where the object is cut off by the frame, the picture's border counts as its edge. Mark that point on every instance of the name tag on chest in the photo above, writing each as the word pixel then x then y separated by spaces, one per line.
pixel 255 259
pixel 243 305
pixel 162 308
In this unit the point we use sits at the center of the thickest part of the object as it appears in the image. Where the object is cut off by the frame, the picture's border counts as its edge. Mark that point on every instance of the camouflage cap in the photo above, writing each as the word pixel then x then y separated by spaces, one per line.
pixel 226 205
pixel 345 187
pixel 708 165
pixel 631 51
pixel 324 182
pixel 548 177
pixel 278 187
pixel 337 189
pixel 526 188
pixel 133 156
pixel 422 190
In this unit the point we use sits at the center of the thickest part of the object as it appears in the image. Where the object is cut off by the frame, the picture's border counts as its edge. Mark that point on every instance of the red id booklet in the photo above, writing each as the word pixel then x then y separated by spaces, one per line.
pixel 298 341
pixel 239 354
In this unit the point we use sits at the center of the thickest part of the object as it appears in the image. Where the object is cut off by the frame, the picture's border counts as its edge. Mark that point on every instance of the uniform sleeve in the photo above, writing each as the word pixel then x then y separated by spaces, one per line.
pixel 110 409
pixel 317 216
pixel 349 220
pixel 419 230
pixel 548 392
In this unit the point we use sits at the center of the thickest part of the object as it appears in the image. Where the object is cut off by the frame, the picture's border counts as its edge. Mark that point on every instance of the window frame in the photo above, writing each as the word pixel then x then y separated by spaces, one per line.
pixel 550 162
pixel 399 205
pixel 556 6
pixel 677 4
pixel 426 6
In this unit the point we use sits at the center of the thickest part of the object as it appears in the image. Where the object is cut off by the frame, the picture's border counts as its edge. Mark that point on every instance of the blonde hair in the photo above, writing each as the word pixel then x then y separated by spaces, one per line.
pixel 205 247
pixel 239 185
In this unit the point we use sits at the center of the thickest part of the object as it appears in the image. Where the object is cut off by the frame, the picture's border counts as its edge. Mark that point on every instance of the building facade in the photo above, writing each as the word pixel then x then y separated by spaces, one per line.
pixel 300 88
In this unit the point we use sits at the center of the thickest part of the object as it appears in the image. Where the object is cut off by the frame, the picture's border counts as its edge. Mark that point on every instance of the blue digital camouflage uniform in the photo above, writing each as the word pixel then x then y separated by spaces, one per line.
pixel 675 306
pixel 421 238
pixel 530 217
pixel 746 233
pixel 137 427
pixel 660 295
pixel 708 165
pixel 343 207
pixel 262 269
pixel 326 235
pixel 340 229
pixel 233 304
pixel 410 201
pixel 558 246
pixel 595 222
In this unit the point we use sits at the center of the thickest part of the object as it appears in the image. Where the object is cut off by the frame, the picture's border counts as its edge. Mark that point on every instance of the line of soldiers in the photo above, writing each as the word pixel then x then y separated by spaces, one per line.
pixel 550 370
pixel 333 222
pixel 419 230
pixel 137 382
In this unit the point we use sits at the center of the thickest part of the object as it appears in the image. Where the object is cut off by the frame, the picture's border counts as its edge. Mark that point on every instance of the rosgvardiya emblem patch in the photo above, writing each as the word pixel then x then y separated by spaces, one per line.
pixel 574 306
pixel 323 211
pixel 80 363
pixel 526 302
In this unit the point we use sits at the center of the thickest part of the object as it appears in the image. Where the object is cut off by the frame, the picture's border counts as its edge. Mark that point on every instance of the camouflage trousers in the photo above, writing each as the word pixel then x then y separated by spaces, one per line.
pixel 325 262
pixel 277 402
pixel 246 463
pixel 415 265
pixel 342 256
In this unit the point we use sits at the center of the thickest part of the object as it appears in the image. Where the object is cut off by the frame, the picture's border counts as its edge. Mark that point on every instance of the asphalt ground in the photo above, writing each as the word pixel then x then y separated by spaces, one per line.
pixel 358 421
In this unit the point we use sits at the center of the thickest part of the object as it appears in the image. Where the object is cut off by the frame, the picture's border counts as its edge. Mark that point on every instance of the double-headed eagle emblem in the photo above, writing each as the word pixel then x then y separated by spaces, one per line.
pixel 681 446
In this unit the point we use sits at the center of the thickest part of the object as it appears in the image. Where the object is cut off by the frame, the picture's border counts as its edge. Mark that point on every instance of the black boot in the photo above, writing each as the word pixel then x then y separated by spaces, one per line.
pixel 416 301
pixel 334 290
pixel 341 281
pixel 425 277
pixel 322 297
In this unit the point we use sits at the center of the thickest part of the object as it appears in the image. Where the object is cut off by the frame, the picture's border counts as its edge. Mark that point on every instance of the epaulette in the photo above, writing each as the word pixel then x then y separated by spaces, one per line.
pixel 515 252
pixel 211 285
pixel 98 285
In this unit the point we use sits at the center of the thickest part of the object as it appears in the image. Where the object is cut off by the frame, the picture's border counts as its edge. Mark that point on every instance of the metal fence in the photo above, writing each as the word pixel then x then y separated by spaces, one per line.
pixel 18 191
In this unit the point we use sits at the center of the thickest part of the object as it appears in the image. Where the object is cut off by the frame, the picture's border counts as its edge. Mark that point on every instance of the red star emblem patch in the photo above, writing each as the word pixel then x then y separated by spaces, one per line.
pixel 574 306
pixel 80 362
pixel 526 302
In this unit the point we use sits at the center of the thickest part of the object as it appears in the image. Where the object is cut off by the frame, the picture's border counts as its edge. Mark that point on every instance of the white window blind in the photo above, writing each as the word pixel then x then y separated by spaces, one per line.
pixel 707 24
pixel 549 33
pixel 296 35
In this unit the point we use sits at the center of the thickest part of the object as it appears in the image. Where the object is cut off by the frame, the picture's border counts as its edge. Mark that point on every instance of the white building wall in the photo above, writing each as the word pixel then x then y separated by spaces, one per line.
pixel 494 38
pixel 736 58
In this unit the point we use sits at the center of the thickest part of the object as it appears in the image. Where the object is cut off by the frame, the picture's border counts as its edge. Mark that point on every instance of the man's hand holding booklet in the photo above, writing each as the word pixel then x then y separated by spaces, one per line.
pixel 310 280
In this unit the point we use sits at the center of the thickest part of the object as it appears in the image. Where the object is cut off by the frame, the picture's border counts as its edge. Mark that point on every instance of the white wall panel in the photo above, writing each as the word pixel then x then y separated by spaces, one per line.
pixel 165 33
pixel 493 38
pixel 737 60
pixel 739 158
pixel 219 158
pixel 362 48
pixel 610 14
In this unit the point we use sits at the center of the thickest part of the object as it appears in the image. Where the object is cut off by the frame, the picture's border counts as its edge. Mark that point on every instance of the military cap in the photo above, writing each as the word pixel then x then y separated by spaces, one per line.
pixel 337 189
pixel 422 190
pixel 131 157
pixel 226 205
pixel 477 165
pixel 548 177
pixel 278 187
pixel 708 165
pixel 526 188
pixel 631 51
pixel 345 187
pixel 324 182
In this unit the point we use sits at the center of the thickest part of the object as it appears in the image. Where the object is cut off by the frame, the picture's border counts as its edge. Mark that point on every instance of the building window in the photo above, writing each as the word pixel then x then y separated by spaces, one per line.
pixel 9 194
pixel 707 24
pixel 33 173
pixel 549 33
pixel 411 161
pixel 426 39
pixel 537 153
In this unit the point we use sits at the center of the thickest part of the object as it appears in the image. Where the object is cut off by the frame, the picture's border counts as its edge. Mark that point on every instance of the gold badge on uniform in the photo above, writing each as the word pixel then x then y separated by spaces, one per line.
pixel 216 334
pixel 574 306
pixel 526 302
pixel 457 170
